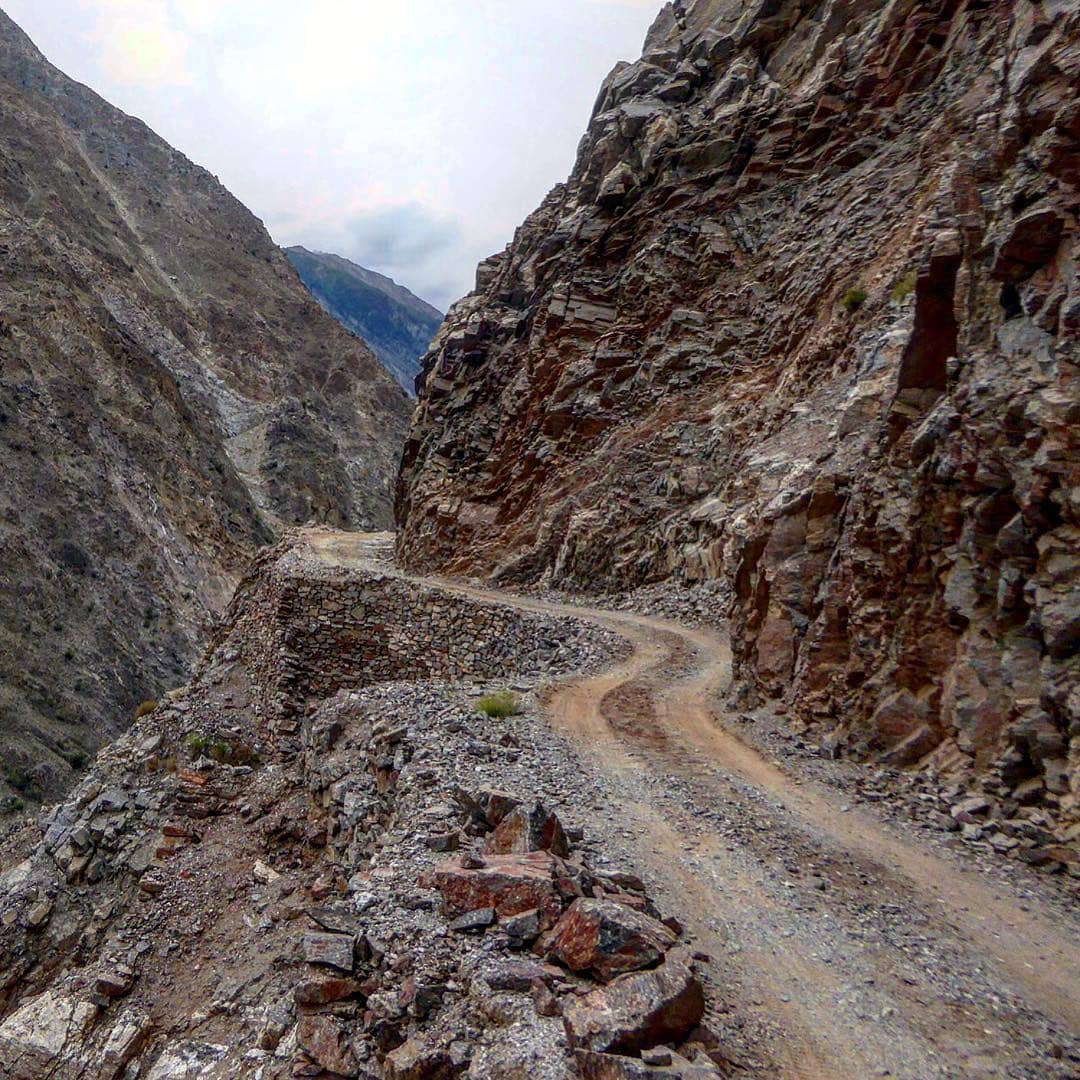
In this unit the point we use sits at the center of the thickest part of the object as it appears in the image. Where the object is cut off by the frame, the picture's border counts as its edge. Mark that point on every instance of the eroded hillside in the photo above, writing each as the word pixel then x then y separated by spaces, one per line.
pixel 169 395
pixel 805 319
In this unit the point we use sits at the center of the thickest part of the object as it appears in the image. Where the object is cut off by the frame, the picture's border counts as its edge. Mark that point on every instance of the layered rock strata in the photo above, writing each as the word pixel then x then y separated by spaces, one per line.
pixel 804 318
pixel 169 396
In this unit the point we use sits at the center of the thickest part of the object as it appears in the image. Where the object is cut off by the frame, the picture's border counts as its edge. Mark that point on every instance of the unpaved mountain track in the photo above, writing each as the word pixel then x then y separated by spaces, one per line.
pixel 852 950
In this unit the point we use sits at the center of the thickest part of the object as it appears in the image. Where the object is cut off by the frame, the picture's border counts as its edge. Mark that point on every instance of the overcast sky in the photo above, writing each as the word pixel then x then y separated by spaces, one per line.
pixel 410 135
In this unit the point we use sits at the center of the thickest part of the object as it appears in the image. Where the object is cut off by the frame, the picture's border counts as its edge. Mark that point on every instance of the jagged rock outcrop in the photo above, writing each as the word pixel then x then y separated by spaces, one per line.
pixel 805 318
pixel 169 395
pixel 396 324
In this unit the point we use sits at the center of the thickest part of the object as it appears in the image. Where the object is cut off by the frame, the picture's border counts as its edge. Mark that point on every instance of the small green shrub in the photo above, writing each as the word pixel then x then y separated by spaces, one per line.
pixel 501 704
pixel 854 299
pixel 197 745
pixel 145 709
pixel 19 778
pixel 222 751
pixel 905 286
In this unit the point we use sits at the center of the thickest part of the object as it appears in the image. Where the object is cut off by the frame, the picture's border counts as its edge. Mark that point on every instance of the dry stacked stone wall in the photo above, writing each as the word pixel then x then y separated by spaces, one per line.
pixel 305 629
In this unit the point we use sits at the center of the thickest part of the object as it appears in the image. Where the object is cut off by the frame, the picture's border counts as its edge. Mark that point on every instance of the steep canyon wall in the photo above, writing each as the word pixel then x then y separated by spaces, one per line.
pixel 805 317
pixel 170 395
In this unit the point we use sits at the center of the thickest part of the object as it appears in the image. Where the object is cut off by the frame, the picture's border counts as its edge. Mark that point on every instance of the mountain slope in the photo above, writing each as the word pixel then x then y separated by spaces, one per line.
pixel 396 324
pixel 169 394
pixel 804 319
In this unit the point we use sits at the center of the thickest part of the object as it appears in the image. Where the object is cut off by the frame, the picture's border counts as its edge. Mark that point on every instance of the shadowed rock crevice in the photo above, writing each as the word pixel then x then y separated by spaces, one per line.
pixel 924 365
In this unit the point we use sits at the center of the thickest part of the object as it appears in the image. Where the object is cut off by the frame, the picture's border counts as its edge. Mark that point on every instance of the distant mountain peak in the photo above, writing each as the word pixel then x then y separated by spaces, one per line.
pixel 396 323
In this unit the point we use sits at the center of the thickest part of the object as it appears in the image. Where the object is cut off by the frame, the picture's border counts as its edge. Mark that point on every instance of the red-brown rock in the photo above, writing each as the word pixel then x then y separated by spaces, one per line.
pixel 607 939
pixel 638 1011
pixel 417 1060
pixel 326 1040
pixel 324 991
pixel 508 884
pixel 496 805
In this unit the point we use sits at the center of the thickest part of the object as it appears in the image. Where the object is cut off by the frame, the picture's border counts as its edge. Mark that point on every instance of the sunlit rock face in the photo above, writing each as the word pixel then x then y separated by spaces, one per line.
pixel 804 317
pixel 169 395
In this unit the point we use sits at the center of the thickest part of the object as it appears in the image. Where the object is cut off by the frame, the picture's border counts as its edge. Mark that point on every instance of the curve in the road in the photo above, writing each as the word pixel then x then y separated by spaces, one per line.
pixel 652 724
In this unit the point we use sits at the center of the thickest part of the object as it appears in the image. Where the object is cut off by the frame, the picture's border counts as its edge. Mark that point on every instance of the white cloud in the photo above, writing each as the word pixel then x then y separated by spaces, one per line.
pixel 139 42
pixel 199 15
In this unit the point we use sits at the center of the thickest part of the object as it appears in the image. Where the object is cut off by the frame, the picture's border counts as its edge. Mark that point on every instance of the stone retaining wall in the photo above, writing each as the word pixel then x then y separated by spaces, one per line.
pixel 306 629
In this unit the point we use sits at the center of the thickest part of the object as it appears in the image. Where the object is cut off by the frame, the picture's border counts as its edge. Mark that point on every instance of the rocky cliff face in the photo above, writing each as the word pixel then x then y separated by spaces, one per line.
pixel 169 394
pixel 805 318
pixel 396 324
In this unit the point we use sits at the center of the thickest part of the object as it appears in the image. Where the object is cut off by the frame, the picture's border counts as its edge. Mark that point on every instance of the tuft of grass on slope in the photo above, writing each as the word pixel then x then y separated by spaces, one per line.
pixel 904 287
pixel 501 704
pixel 854 299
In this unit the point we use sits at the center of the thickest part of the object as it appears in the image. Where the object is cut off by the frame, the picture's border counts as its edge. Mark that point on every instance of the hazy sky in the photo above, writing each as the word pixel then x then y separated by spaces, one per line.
pixel 410 135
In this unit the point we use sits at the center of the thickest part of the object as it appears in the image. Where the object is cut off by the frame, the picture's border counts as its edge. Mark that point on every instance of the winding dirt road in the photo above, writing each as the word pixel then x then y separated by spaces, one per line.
pixel 849 948
pixel 854 991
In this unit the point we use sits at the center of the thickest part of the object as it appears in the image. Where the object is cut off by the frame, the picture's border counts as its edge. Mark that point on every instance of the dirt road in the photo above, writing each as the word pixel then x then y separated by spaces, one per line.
pixel 851 948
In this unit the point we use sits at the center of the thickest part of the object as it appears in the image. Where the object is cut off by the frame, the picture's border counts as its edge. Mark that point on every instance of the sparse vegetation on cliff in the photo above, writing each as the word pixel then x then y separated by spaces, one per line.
pixel 222 751
pixel 854 299
pixel 905 287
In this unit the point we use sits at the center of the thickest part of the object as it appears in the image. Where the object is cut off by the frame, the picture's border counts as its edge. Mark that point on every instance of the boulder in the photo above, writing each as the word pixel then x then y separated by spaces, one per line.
pixel 417 1060
pixel 496 804
pixel 473 921
pixel 522 831
pixel 115 981
pixel 46 1031
pixel 606 939
pixel 522 929
pixel 330 950
pixel 324 991
pixel 126 1038
pixel 518 975
pixel 326 1041
pixel 638 1011
pixel 188 1061
pixel 508 884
